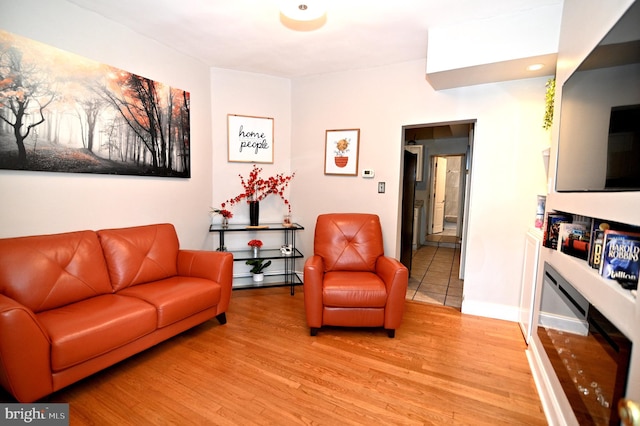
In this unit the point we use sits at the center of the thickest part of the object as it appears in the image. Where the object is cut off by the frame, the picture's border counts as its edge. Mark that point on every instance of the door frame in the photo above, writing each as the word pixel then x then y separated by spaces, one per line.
pixel 467 198
pixel 407 207
pixel 466 173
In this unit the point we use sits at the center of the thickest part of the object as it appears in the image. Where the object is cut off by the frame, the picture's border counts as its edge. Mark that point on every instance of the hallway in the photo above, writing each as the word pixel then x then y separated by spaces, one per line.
pixel 435 270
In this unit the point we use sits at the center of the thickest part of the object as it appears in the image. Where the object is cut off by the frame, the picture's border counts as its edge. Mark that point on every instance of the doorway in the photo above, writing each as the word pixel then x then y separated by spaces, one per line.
pixel 453 142
pixel 438 194
pixel 447 195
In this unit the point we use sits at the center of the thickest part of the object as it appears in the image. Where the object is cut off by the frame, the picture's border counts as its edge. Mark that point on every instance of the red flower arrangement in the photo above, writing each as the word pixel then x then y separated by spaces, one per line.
pixel 257 188
pixel 223 212
pixel 255 243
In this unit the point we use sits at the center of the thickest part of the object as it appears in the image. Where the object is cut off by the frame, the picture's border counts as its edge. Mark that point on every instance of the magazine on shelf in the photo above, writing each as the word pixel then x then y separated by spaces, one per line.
pixel 621 257
pixel 552 228
pixel 573 239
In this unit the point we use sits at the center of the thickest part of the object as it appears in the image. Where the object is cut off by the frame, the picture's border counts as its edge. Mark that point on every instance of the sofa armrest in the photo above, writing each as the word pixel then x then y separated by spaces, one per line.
pixel 212 265
pixel 25 353
pixel 313 277
pixel 396 278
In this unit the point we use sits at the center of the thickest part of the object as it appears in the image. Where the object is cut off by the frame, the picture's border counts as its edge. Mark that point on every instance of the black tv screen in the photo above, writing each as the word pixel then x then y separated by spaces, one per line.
pixel 623 149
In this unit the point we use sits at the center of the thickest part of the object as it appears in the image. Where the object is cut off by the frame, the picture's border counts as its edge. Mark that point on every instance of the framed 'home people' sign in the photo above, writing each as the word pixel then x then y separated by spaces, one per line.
pixel 250 139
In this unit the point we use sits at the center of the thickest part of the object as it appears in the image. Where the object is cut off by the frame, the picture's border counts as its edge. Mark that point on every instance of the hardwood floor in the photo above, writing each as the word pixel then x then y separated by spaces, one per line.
pixel 262 367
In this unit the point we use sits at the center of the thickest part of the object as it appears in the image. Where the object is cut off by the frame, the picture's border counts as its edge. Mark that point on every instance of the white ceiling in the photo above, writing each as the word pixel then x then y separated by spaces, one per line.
pixel 247 35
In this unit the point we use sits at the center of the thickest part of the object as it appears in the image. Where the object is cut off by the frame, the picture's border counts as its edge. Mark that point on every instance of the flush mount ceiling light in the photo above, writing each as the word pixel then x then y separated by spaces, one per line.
pixel 535 67
pixel 303 10
pixel 303 15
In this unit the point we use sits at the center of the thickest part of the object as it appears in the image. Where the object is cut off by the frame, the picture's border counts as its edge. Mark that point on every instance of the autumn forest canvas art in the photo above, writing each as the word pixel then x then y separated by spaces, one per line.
pixel 60 112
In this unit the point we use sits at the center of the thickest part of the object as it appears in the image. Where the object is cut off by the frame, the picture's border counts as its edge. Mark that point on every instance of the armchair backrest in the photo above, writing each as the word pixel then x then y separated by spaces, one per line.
pixel 348 241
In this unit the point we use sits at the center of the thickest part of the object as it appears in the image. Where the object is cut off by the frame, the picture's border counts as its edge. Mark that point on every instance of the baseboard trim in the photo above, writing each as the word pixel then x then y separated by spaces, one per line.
pixel 490 310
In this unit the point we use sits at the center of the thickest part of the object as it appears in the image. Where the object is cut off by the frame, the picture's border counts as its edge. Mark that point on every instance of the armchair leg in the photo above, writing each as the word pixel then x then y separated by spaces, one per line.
pixel 392 333
pixel 222 318
pixel 314 331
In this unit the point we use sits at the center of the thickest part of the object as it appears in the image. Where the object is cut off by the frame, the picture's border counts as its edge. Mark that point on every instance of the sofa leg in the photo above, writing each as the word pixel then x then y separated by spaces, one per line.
pixel 314 331
pixel 392 333
pixel 222 318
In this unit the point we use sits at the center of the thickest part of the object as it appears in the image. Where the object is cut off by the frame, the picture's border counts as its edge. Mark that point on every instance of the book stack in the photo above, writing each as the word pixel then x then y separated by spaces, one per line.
pixel 610 247
pixel 615 252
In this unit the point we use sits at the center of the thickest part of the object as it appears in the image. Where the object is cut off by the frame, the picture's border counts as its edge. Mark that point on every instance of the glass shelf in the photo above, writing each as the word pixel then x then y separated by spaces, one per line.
pixel 279 280
pixel 264 227
pixel 265 254
pixel 288 278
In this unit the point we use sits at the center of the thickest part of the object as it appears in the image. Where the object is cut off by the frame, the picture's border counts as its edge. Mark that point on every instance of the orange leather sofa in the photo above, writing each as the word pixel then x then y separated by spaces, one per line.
pixel 349 281
pixel 72 304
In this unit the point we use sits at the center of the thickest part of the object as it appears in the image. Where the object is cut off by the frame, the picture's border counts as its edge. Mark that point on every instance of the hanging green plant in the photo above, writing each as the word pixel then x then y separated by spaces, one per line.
pixel 549 98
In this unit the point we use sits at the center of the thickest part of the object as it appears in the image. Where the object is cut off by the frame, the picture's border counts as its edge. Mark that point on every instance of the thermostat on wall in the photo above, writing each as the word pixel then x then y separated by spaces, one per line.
pixel 368 173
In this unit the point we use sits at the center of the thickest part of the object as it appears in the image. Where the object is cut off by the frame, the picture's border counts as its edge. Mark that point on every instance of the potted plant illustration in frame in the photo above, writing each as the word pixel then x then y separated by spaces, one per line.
pixel 257 268
pixel 341 152
pixel 342 147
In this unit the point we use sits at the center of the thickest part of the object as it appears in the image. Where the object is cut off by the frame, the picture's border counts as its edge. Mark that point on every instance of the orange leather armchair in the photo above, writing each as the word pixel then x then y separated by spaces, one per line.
pixel 349 281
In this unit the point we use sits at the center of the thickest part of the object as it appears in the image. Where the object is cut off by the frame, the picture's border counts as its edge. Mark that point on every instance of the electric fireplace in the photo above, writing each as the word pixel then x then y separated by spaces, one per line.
pixel 589 355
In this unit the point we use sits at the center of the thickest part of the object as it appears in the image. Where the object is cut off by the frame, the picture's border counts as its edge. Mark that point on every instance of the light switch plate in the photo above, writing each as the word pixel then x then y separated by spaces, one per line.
pixel 381 187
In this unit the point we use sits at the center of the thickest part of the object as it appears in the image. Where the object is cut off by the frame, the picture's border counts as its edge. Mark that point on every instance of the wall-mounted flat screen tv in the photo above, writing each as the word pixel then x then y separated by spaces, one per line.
pixel 598 145
pixel 623 148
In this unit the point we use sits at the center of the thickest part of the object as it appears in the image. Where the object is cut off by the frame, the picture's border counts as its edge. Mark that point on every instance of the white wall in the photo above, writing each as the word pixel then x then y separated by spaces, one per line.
pixel 507 172
pixel 242 93
pixel 40 202
pixel 533 32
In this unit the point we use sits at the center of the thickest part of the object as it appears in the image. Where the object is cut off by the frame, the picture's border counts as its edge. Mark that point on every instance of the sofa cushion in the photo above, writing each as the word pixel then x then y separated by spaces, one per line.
pixel 48 271
pixel 89 328
pixel 177 298
pixel 140 254
pixel 353 290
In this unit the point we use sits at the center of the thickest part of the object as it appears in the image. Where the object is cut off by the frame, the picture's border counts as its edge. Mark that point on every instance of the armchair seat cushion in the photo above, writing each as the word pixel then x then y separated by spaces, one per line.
pixel 94 326
pixel 177 297
pixel 353 290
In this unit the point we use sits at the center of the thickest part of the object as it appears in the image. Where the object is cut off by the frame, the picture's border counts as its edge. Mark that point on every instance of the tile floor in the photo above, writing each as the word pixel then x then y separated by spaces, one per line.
pixel 434 271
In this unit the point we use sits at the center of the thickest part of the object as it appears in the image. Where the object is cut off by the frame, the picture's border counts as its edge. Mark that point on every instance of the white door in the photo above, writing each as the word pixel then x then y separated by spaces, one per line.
pixel 439 167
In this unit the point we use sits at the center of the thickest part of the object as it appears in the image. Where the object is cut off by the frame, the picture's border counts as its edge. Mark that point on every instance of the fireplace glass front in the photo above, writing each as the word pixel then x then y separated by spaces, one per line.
pixel 589 355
